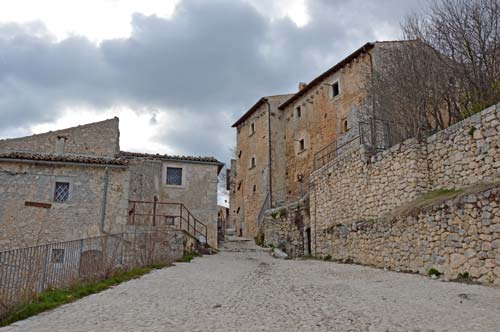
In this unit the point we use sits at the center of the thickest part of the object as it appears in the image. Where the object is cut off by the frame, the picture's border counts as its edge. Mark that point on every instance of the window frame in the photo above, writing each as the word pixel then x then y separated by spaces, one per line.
pixel 57 183
pixel 335 88
pixel 298 111
pixel 166 166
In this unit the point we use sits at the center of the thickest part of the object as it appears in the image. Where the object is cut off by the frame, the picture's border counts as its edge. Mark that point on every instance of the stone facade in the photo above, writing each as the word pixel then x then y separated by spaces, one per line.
pixel 324 114
pixel 254 143
pixel 198 191
pixel 94 139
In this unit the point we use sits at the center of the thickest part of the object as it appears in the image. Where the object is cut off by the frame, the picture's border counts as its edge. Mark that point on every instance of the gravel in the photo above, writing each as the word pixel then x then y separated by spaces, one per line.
pixel 244 289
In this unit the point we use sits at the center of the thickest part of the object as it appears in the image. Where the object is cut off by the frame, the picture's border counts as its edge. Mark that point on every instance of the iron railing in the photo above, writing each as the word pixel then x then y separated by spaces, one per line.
pixel 330 152
pixel 157 213
pixel 266 205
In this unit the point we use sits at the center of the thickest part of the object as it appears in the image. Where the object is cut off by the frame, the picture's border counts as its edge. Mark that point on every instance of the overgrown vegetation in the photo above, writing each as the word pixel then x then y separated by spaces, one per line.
pixel 434 273
pixel 53 298
pixel 279 213
pixel 187 257
pixel 440 193
pixel 259 239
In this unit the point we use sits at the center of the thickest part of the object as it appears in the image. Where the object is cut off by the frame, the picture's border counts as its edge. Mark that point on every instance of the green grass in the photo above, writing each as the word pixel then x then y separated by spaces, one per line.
pixel 188 257
pixel 53 298
pixel 439 193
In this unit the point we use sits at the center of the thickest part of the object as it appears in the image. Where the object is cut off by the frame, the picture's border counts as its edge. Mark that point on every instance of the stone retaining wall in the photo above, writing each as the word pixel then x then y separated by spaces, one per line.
pixel 284 228
pixel 457 236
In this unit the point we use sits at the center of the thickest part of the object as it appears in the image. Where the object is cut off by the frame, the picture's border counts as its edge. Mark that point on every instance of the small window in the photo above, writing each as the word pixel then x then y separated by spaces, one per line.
pixel 252 162
pixel 335 89
pixel 252 128
pixel 302 145
pixel 174 176
pixel 239 154
pixel 61 192
pixel 254 188
pixel 345 127
pixel 238 211
pixel 57 256
pixel 239 185
pixel 298 111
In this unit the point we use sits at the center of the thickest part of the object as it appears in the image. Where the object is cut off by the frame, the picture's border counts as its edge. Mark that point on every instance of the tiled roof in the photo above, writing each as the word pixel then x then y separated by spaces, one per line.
pixel 61 158
pixel 157 156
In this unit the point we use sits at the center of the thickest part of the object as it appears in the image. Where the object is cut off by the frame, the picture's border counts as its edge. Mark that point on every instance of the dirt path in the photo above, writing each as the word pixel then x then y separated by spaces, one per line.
pixel 244 289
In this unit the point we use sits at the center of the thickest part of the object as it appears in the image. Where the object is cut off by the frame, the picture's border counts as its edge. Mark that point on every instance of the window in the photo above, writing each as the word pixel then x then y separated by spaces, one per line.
pixel 252 162
pixel 345 127
pixel 335 89
pixel 298 111
pixel 254 188
pixel 239 185
pixel 239 154
pixel 174 176
pixel 57 256
pixel 61 192
pixel 302 145
pixel 252 128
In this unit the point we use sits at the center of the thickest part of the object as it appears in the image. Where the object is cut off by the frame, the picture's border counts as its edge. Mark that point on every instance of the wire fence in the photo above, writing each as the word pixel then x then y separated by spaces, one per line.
pixel 28 271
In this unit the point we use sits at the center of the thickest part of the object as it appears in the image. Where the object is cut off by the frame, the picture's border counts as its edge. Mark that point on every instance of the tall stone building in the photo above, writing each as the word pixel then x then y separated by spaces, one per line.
pixel 259 153
pixel 307 129
pixel 76 183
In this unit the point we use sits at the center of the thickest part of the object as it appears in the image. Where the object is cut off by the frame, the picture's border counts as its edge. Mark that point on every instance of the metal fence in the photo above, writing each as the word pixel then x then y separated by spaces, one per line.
pixel 26 272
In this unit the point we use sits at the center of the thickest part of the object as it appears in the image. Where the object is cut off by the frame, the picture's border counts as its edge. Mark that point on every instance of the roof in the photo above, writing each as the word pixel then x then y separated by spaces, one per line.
pixel 259 103
pixel 363 49
pixel 165 157
pixel 15 155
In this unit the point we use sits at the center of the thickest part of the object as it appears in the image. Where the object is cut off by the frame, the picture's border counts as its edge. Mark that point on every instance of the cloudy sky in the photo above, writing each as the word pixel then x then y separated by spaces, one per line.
pixel 177 73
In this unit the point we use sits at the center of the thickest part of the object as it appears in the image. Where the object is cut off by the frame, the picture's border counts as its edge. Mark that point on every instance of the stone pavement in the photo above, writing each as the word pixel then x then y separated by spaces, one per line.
pixel 244 289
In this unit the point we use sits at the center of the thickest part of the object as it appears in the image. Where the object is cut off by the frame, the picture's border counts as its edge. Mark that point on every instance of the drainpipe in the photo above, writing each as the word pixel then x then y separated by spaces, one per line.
pixel 104 199
pixel 269 154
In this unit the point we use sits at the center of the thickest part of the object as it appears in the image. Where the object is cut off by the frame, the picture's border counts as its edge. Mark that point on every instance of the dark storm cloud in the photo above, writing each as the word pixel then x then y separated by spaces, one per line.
pixel 206 65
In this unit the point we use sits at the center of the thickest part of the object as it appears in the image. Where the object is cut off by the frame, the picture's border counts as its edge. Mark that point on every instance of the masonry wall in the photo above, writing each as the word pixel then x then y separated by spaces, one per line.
pixel 252 183
pixel 323 117
pixel 79 217
pixel 457 236
pixel 285 228
pixel 94 139
pixel 198 191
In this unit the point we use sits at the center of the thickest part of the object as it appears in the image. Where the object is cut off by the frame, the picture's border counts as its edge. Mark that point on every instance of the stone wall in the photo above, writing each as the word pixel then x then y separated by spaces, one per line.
pixel 48 221
pixel 285 228
pixel 198 191
pixel 94 139
pixel 456 236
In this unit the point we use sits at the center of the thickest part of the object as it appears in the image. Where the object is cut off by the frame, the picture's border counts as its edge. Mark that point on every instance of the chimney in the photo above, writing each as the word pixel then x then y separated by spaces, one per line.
pixel 302 85
pixel 60 143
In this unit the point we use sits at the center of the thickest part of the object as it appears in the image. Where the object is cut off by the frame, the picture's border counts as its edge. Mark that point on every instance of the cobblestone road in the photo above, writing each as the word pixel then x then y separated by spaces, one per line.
pixel 247 290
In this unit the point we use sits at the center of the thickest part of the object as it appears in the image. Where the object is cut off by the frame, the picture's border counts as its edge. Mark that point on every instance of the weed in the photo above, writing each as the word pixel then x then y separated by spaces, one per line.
pixel 434 272
pixel 327 257
pixel 472 129
pixel 187 257
pixel 463 276
pixel 259 239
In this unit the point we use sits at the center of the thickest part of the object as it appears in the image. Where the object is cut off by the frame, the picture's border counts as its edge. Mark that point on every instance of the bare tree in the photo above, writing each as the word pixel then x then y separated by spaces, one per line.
pixel 467 34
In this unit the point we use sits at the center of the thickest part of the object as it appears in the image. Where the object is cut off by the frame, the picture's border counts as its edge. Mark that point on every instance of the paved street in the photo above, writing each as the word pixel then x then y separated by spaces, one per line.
pixel 244 289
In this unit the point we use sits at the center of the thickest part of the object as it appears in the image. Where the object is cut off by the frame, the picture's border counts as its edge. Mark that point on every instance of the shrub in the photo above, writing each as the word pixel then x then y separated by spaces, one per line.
pixel 259 239
pixel 463 276
pixel 434 272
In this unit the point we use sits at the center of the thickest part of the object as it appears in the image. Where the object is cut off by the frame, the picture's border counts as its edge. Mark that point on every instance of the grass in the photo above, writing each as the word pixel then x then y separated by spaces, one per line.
pixel 54 298
pixel 434 272
pixel 187 257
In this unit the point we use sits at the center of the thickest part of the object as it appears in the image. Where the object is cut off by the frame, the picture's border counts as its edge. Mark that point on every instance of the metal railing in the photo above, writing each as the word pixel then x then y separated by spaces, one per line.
pixel 157 213
pixel 330 152
pixel 25 272
pixel 266 205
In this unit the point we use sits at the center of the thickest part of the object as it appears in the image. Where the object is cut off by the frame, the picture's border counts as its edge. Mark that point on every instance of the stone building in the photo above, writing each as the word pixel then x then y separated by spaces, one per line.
pixel 62 185
pixel 259 153
pixel 279 144
pixel 76 183
pixel 191 181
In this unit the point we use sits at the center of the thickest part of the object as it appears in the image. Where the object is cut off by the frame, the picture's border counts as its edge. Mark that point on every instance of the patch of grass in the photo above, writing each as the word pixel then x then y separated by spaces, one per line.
pixel 434 272
pixel 472 129
pixel 440 193
pixel 53 298
pixel 463 276
pixel 187 257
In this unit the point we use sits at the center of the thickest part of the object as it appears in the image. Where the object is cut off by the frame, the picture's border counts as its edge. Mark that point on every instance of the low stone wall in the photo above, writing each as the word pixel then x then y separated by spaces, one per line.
pixel 456 236
pixel 284 228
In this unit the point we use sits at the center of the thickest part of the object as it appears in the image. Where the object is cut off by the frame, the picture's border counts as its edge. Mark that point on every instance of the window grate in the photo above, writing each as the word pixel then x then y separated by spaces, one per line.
pixel 174 176
pixel 61 192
